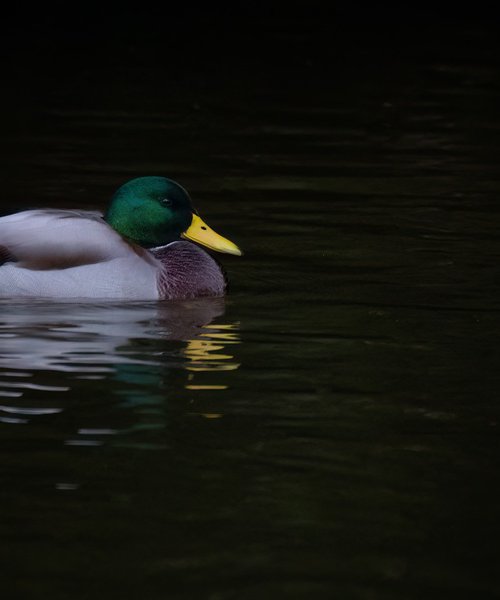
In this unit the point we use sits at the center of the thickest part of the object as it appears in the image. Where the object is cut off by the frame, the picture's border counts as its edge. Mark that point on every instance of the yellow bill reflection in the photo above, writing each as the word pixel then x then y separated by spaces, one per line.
pixel 209 353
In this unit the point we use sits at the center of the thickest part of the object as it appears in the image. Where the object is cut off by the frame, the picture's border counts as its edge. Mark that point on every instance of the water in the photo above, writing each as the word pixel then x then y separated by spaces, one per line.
pixel 330 429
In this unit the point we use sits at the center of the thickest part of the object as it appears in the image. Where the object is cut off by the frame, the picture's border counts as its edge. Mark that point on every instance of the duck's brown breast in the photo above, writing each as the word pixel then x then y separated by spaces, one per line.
pixel 187 272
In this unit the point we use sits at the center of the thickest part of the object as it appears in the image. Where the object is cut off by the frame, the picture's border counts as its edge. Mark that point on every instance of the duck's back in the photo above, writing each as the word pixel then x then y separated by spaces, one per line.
pixel 49 238
pixel 72 254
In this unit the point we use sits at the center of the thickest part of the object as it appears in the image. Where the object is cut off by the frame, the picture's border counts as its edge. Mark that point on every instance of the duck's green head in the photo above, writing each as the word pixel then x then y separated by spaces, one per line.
pixel 154 211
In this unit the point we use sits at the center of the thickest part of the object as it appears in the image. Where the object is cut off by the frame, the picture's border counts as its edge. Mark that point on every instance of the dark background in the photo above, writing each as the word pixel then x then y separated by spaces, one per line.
pixel 293 42
pixel 130 58
pixel 353 154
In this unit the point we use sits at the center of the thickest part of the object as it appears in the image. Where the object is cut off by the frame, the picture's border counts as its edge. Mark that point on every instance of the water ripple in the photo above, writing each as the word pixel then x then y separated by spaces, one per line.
pixel 49 351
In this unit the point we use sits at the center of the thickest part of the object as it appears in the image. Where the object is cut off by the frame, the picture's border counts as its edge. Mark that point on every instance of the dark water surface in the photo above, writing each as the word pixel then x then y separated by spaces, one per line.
pixel 330 429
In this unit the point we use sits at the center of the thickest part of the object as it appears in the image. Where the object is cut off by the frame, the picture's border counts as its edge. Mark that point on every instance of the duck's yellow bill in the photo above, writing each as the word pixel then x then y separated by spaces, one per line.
pixel 201 233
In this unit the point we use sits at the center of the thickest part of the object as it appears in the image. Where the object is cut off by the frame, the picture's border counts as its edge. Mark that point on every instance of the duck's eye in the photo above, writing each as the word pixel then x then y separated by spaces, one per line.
pixel 166 202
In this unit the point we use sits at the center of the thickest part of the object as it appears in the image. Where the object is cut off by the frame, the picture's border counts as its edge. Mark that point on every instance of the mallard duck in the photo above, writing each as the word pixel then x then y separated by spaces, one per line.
pixel 140 249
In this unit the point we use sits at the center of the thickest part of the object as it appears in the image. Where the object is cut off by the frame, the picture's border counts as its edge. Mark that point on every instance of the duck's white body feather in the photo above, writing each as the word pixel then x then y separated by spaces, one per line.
pixel 120 278
pixel 71 254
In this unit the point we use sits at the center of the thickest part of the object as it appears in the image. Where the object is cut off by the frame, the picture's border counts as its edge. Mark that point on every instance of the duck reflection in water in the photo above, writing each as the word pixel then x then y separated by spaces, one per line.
pixel 145 354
